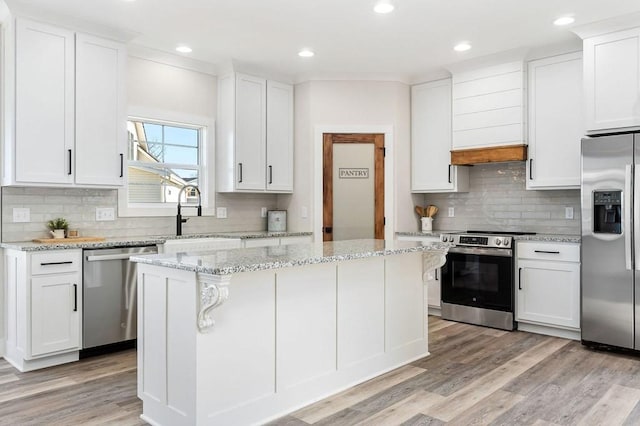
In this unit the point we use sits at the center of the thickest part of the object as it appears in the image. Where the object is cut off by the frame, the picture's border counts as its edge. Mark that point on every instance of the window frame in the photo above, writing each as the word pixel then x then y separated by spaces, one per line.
pixel 206 169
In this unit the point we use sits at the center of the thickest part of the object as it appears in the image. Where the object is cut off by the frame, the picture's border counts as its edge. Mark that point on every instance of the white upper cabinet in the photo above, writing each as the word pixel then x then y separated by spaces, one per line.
pixel 279 137
pixel 100 111
pixel 250 132
pixel 255 135
pixel 556 124
pixel 612 81
pixel 44 117
pixel 431 169
pixel 488 106
pixel 69 117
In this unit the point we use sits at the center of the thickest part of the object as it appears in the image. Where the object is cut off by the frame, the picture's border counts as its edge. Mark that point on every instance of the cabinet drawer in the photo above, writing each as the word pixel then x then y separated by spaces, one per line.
pixel 56 262
pixel 563 252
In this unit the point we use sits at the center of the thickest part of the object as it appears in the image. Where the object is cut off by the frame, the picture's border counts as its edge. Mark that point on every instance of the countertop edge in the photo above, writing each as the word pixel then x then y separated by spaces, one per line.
pixel 144 241
pixel 252 267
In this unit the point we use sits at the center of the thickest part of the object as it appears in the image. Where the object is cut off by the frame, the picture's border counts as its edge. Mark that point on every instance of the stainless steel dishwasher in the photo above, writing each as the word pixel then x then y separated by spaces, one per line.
pixel 109 300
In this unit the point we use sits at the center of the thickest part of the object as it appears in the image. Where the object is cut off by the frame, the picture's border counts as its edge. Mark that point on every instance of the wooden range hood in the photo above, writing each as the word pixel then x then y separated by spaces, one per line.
pixel 496 154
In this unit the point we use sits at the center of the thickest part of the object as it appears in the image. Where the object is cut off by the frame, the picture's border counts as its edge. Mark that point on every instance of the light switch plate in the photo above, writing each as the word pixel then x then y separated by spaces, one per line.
pixel 21 214
pixel 263 212
pixel 568 212
pixel 105 214
pixel 304 213
pixel 221 212
pixel 452 212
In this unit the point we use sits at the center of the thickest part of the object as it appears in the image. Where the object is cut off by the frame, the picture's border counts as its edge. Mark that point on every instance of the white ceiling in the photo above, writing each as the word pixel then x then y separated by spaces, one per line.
pixel 346 35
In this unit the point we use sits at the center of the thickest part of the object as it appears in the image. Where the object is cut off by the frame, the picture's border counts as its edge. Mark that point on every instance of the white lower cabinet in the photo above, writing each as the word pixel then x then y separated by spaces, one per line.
pixel 432 278
pixel 44 307
pixel 548 288
pixel 55 324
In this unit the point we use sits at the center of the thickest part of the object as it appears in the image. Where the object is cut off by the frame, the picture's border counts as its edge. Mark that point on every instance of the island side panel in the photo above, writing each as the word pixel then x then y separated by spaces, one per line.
pixel 306 324
pixel 236 358
pixel 166 344
pixel 360 311
pixel 406 314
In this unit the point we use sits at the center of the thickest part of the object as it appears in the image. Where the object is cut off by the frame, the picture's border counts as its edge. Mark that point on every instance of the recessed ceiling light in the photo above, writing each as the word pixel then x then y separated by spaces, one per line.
pixel 462 47
pixel 305 53
pixel 184 49
pixel 565 20
pixel 383 7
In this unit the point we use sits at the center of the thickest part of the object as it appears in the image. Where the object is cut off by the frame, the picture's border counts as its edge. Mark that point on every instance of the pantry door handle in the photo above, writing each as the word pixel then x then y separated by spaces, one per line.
pixel 75 297
pixel 519 278
pixel 121 165
pixel 69 152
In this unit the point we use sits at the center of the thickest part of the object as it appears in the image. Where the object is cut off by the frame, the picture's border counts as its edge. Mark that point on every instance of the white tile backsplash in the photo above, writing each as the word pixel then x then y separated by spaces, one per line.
pixel 78 206
pixel 497 200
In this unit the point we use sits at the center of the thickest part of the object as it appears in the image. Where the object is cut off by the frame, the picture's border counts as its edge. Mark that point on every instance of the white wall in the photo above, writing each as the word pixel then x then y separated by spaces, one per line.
pixel 166 88
pixel 350 104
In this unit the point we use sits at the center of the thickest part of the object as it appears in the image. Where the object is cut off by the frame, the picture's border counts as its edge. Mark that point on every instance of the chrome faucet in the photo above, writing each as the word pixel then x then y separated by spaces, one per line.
pixel 179 219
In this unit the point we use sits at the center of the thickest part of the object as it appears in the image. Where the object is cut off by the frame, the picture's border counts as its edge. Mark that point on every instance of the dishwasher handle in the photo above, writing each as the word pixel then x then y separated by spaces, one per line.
pixel 119 256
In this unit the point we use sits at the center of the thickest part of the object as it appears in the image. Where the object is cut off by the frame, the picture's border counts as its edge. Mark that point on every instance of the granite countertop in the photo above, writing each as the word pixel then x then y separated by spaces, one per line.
pixel 225 262
pixel 144 241
pixel 551 238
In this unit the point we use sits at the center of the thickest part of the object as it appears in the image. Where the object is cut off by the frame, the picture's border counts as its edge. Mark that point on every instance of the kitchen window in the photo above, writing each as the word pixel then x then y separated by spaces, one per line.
pixel 162 158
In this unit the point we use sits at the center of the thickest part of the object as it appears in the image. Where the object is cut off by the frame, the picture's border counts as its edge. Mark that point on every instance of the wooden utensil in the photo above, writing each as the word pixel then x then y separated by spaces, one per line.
pixel 420 211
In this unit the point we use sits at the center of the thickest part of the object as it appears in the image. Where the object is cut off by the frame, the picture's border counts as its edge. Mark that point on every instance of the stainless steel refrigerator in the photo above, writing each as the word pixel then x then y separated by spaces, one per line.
pixel 610 265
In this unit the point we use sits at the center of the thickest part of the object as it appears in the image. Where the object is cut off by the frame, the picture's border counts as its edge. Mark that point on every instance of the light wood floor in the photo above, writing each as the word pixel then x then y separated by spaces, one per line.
pixel 474 376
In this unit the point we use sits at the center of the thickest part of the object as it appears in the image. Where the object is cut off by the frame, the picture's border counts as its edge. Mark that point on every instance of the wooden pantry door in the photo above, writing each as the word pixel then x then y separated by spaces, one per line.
pixel 353 186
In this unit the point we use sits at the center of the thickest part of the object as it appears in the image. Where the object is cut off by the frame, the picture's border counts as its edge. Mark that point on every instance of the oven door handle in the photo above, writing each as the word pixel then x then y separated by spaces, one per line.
pixel 482 251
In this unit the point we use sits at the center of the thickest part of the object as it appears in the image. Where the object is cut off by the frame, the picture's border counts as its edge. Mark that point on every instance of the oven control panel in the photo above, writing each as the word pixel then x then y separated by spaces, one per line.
pixel 477 240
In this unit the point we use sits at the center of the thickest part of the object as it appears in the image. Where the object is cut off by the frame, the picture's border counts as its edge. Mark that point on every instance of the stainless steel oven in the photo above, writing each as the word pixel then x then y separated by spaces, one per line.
pixel 477 279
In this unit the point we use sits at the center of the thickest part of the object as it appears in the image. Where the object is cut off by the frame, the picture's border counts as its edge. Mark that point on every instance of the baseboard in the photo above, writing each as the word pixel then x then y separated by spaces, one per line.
pixel 24 365
pixel 549 331
pixel 435 311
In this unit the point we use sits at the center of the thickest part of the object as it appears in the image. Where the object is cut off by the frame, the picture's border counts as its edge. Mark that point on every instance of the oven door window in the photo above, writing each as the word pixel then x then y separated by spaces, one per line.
pixel 483 281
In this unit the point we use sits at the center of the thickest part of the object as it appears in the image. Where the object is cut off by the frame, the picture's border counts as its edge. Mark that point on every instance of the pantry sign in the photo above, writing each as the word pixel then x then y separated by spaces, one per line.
pixel 351 173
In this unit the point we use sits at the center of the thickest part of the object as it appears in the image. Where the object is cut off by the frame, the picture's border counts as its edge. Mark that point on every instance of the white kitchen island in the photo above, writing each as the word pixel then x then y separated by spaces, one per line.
pixel 243 336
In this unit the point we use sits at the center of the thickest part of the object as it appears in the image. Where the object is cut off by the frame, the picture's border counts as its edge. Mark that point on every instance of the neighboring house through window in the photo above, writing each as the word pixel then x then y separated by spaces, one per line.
pixel 163 157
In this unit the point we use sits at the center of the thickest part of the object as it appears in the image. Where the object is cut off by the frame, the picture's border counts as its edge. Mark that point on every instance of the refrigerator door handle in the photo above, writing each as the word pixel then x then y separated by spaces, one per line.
pixel 628 175
pixel 636 215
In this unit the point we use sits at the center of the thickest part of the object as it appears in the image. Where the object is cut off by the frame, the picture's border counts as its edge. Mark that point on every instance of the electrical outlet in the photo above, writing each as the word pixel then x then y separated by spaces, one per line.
pixel 452 212
pixel 263 212
pixel 568 212
pixel 105 214
pixel 304 213
pixel 221 212
pixel 22 214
